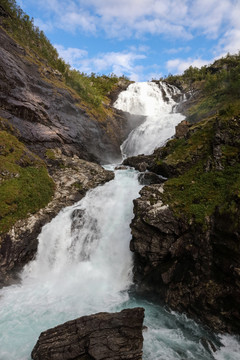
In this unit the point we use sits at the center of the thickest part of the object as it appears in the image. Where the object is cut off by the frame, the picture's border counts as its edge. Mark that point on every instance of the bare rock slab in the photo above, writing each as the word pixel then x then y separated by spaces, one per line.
pixel 108 336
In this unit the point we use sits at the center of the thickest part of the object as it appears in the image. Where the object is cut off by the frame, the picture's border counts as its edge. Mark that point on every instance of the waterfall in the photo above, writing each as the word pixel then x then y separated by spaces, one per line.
pixel 84 265
pixel 157 103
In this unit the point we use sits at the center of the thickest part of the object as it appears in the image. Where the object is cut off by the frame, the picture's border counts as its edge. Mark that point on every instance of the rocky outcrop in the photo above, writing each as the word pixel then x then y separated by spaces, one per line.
pixel 186 232
pixel 72 177
pixel 96 337
pixel 182 129
pixel 194 270
pixel 47 114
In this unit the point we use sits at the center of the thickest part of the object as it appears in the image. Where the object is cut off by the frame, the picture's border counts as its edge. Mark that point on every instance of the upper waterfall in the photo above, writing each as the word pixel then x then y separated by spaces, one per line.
pixel 156 102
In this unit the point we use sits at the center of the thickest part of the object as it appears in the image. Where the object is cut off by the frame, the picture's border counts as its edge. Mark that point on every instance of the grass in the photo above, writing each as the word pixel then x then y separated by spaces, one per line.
pixel 25 185
pixel 93 89
pixel 198 193
pixel 188 151
pixel 201 187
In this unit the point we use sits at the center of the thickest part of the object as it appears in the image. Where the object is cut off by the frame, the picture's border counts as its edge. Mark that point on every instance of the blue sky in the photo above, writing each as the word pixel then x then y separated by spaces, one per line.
pixel 142 39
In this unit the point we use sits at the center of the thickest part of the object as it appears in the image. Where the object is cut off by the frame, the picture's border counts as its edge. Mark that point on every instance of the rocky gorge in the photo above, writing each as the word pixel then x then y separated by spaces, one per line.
pixel 66 258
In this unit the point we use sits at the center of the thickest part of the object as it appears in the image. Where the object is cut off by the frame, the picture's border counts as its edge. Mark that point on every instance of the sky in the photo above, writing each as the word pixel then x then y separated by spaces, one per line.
pixel 141 39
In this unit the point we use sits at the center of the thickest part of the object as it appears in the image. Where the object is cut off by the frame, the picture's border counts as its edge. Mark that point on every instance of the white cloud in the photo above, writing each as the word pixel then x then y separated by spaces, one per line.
pixel 119 63
pixel 177 66
pixel 231 41
pixel 44 26
pixel 209 16
pixel 217 20
pixel 128 17
pixel 72 56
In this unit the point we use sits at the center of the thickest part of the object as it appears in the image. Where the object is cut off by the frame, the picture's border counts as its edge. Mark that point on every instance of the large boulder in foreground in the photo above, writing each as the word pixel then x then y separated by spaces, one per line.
pixel 95 337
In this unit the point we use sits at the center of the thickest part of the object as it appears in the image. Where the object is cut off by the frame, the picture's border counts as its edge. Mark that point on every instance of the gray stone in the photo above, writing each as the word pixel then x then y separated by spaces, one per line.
pixel 103 336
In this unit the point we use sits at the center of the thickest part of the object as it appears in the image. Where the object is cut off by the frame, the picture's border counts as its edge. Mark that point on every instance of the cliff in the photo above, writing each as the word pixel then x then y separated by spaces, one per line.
pixel 53 125
pixel 47 114
pixel 185 233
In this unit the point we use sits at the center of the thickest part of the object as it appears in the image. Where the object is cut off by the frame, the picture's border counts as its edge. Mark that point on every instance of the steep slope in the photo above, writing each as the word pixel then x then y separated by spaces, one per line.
pixel 49 121
pixel 47 114
pixel 186 238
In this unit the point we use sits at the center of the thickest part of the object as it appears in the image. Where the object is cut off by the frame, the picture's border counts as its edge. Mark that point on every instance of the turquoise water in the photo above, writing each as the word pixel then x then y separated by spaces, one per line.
pixel 87 268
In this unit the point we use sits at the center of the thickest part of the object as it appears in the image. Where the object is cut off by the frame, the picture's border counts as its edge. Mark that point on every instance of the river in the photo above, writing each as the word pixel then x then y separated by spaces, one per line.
pixel 84 265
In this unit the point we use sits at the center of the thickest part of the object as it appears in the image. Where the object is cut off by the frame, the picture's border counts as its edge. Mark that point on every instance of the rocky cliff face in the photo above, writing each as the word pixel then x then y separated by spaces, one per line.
pixel 46 118
pixel 47 114
pixel 193 270
pixel 185 233
pixel 100 336
pixel 72 178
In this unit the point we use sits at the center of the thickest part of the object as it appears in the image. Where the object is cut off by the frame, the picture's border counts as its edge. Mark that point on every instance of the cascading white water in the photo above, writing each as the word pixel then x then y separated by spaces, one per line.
pixel 156 103
pixel 83 266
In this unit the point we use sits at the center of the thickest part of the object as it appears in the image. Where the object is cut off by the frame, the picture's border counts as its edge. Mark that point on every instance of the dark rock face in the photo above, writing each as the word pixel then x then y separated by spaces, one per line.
pixel 182 129
pixel 95 337
pixel 140 162
pixel 72 180
pixel 148 178
pixel 46 114
pixel 194 270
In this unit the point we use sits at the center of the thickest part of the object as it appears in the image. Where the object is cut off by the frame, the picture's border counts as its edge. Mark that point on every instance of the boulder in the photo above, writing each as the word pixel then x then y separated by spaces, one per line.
pixel 148 178
pixel 182 129
pixel 108 336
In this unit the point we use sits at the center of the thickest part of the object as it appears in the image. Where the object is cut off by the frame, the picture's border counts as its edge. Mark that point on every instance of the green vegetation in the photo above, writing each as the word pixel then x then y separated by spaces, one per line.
pixel 197 146
pixel 200 197
pixel 50 154
pixel 205 181
pixel 25 185
pixel 91 88
pixel 217 88
pixel 205 165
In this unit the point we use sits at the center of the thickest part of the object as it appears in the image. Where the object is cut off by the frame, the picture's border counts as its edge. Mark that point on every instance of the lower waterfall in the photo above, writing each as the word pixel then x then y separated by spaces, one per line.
pixel 84 266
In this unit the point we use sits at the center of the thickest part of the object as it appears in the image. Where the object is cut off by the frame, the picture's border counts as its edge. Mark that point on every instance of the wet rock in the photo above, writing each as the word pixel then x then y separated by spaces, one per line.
pixel 195 270
pixel 101 336
pixel 140 162
pixel 121 167
pixel 72 179
pixel 148 178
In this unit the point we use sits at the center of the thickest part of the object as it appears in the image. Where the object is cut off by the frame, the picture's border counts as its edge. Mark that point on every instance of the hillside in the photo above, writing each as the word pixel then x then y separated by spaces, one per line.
pixel 186 238
pixel 50 118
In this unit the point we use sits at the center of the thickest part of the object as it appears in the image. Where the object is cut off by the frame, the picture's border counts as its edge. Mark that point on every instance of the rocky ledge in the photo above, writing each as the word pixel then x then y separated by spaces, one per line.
pixel 72 177
pixel 192 269
pixel 96 337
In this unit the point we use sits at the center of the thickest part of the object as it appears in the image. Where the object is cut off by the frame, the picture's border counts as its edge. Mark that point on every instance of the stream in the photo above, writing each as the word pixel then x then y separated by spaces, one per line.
pixel 84 265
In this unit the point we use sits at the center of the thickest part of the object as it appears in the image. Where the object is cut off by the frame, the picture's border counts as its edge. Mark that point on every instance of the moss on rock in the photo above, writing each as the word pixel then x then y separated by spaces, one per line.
pixel 204 170
pixel 25 185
